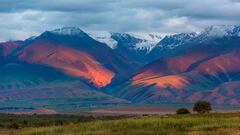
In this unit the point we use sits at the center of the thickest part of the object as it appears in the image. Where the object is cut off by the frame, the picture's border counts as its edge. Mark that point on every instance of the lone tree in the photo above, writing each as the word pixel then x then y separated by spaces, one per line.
pixel 183 111
pixel 202 107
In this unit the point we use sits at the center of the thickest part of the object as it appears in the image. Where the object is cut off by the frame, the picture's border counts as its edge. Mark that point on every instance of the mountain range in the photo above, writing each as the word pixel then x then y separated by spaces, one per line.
pixel 70 68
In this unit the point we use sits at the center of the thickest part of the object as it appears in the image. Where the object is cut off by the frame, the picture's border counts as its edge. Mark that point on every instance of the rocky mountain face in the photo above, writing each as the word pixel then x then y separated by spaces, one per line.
pixel 204 68
pixel 136 46
pixel 123 67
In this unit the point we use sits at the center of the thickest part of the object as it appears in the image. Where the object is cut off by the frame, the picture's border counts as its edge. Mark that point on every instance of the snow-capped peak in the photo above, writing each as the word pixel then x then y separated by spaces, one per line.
pixel 148 40
pixel 175 40
pixel 147 36
pixel 218 31
pixel 123 37
pixel 104 37
pixel 138 41
pixel 72 31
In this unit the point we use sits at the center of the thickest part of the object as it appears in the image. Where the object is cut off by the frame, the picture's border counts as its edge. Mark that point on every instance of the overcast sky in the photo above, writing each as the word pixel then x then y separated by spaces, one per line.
pixel 20 19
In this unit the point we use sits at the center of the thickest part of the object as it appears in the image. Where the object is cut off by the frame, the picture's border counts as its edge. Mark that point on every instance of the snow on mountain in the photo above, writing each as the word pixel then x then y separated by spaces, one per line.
pixel 208 34
pixel 172 41
pixel 140 41
pixel 218 31
pixel 125 39
pixel 136 41
pixel 71 31
pixel 104 37
pixel 148 40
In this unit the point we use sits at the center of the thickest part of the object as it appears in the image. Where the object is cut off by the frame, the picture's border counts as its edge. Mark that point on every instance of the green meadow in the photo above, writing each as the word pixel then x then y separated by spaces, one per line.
pixel 192 124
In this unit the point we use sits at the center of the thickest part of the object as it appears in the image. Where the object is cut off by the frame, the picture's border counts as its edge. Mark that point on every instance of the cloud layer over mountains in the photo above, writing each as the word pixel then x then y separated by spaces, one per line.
pixel 21 19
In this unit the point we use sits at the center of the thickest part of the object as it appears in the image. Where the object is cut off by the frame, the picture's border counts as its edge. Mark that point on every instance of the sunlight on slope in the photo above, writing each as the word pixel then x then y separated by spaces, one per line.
pixel 227 63
pixel 174 65
pixel 175 81
pixel 70 61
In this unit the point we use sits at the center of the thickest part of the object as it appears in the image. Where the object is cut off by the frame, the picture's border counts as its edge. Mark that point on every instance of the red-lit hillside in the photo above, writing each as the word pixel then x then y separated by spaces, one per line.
pixel 7 47
pixel 187 78
pixel 70 61
pixel 77 55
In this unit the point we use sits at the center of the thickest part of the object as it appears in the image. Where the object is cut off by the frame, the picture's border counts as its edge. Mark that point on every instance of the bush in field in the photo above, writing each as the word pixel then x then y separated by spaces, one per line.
pixel 202 107
pixel 183 111
pixel 14 126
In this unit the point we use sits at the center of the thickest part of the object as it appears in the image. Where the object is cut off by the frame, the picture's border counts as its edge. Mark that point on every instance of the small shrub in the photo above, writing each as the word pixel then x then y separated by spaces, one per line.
pixel 183 111
pixel 14 126
pixel 202 107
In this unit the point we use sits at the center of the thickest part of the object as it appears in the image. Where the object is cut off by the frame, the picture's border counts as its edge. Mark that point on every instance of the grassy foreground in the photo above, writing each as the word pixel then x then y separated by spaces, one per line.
pixel 207 124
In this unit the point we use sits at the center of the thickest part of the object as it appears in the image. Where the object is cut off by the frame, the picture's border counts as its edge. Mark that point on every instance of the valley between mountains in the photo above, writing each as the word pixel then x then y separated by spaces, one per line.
pixel 70 69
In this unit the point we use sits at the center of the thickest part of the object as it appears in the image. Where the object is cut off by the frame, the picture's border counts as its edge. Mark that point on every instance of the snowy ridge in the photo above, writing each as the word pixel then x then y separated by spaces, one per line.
pixel 208 34
pixel 148 40
pixel 218 31
pixel 142 41
pixel 103 37
pixel 70 31
pixel 172 41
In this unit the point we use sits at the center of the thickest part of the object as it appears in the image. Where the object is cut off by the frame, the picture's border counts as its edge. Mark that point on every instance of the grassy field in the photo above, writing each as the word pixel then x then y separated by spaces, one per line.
pixel 195 124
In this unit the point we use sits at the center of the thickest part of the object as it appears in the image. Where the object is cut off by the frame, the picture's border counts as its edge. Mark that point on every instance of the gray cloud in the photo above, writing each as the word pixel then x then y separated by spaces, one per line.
pixel 20 19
